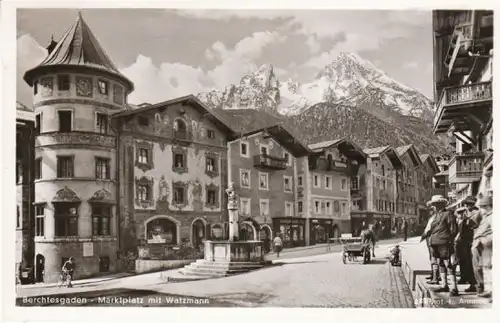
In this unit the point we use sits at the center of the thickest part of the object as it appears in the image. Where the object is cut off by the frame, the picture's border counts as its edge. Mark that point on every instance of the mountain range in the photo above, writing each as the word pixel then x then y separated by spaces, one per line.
pixel 348 97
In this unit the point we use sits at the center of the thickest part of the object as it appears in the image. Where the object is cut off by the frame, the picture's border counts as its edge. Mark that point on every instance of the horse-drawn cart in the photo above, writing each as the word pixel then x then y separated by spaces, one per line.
pixel 353 247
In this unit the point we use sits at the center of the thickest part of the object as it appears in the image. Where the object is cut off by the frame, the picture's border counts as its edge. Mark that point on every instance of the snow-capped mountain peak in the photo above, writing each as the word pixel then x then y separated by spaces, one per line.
pixel 349 79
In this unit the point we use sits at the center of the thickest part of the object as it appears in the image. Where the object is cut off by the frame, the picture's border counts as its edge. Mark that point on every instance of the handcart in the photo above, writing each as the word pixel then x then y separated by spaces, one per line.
pixel 352 248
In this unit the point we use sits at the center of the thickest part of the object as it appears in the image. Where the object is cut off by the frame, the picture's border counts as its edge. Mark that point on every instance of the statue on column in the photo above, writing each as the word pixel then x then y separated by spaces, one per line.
pixel 232 207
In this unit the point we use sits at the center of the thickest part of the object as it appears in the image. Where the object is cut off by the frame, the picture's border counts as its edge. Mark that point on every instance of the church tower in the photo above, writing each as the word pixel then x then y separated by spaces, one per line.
pixel 75 90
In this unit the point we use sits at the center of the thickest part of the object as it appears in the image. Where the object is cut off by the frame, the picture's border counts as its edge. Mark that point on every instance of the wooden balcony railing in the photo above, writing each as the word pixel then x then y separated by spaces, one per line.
pixel 466 168
pixel 268 161
pixel 182 135
pixel 465 95
pixel 331 165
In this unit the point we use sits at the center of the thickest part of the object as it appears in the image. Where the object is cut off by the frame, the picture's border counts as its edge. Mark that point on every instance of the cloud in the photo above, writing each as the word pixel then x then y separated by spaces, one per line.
pixel 29 55
pixel 155 84
pixel 411 65
pixel 240 60
pixel 353 43
pixel 168 80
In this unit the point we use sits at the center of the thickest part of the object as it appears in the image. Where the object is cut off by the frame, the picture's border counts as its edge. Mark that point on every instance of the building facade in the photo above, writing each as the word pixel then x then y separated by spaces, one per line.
pixel 325 182
pixel 463 65
pixel 425 175
pixel 262 164
pixel 75 89
pixel 377 192
pixel 172 170
pixel 25 193
pixel 407 188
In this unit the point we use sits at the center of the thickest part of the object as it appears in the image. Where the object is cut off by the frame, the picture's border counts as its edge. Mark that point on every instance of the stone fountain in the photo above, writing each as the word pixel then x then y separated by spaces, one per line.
pixel 224 258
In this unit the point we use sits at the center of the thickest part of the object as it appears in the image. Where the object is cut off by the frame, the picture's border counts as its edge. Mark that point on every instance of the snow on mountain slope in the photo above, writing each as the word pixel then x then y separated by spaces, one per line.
pixel 348 80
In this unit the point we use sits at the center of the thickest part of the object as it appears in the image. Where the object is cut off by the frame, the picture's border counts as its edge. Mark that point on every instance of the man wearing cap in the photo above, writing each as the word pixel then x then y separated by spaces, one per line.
pixel 434 278
pixel 442 235
pixel 463 244
pixel 482 246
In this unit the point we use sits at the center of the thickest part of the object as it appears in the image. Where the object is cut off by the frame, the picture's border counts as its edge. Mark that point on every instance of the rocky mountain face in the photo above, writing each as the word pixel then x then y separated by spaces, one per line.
pixel 349 95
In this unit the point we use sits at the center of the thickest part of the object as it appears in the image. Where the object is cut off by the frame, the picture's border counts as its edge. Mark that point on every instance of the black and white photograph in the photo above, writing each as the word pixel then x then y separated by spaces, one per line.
pixel 250 158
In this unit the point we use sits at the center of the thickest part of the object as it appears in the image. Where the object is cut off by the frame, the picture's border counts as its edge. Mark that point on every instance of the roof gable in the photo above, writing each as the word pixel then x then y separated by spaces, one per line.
pixel 389 151
pixel 412 153
pixel 247 122
pixel 344 145
pixel 78 47
pixel 189 99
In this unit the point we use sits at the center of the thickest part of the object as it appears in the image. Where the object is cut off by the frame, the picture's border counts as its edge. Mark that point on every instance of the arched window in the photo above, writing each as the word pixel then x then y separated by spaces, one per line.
pixel 180 125
pixel 161 231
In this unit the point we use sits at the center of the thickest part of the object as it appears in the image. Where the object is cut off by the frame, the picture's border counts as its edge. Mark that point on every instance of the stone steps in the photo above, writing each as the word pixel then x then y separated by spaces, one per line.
pixel 202 269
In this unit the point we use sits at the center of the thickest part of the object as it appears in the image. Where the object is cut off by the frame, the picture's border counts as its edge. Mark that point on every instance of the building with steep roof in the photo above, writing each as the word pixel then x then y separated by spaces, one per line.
pixel 262 164
pixel 75 90
pixel 325 186
pixel 406 186
pixel 374 202
pixel 463 91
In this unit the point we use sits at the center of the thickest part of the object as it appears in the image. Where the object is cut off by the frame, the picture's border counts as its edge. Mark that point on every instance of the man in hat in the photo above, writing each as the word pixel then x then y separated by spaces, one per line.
pixel 463 244
pixel 434 278
pixel 442 235
pixel 482 246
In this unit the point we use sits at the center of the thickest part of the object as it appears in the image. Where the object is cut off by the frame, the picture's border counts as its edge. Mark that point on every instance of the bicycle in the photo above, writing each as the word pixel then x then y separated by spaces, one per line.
pixel 64 280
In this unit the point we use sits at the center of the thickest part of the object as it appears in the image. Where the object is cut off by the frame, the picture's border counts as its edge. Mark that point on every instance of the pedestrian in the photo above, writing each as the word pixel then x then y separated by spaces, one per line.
pixel 482 246
pixel 278 244
pixel 405 230
pixel 368 238
pixel 434 278
pixel 442 235
pixel 463 245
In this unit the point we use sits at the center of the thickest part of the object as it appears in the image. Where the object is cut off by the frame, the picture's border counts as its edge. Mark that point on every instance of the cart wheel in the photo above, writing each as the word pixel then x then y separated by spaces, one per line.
pixel 344 258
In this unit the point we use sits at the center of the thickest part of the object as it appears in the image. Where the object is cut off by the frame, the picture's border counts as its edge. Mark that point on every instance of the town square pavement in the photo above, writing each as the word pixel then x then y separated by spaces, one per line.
pixel 314 281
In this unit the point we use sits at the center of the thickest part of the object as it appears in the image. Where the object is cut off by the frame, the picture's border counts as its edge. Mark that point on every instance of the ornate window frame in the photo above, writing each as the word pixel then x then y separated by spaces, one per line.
pixel 267 181
pixel 72 158
pixel 215 188
pixel 247 144
pixel 249 203
pixel 242 171
pixel 118 94
pixel 47 86
pixel 290 183
pixel 183 152
pixel 261 211
pixel 215 157
pixel 184 187
pixel 148 182
pixel 149 147
pixel 85 78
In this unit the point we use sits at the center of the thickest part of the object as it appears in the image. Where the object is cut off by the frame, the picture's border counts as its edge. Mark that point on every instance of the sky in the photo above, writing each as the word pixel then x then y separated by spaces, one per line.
pixel 169 53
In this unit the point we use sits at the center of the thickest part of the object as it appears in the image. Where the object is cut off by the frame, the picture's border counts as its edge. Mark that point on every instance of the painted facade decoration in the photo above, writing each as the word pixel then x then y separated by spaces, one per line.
pixel 174 173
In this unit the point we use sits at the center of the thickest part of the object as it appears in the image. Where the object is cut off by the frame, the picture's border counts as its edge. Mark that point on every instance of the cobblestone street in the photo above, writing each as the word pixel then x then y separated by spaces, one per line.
pixel 315 281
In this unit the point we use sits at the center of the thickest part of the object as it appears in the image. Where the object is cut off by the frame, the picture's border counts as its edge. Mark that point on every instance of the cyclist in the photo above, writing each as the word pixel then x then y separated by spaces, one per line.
pixel 67 270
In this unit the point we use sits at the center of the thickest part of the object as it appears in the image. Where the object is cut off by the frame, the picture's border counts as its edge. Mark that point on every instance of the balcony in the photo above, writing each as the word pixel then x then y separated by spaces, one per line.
pixel 330 166
pixel 182 135
pixel 466 168
pixel 459 102
pixel 270 162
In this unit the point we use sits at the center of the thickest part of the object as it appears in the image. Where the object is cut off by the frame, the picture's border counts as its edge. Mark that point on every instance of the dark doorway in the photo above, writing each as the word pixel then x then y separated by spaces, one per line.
pixel 198 233
pixel 40 268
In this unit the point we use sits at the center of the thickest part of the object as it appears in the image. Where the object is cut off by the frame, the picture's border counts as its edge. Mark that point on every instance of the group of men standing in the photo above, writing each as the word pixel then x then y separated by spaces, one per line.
pixel 463 238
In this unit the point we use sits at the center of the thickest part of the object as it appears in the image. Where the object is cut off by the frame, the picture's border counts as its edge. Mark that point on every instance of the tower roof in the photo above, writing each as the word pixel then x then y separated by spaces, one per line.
pixel 77 48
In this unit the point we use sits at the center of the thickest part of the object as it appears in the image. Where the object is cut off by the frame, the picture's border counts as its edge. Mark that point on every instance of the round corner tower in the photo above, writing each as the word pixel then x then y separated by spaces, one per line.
pixel 75 91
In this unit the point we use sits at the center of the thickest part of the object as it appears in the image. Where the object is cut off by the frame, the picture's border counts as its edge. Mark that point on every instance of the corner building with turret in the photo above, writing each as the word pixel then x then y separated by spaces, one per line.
pixel 75 91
